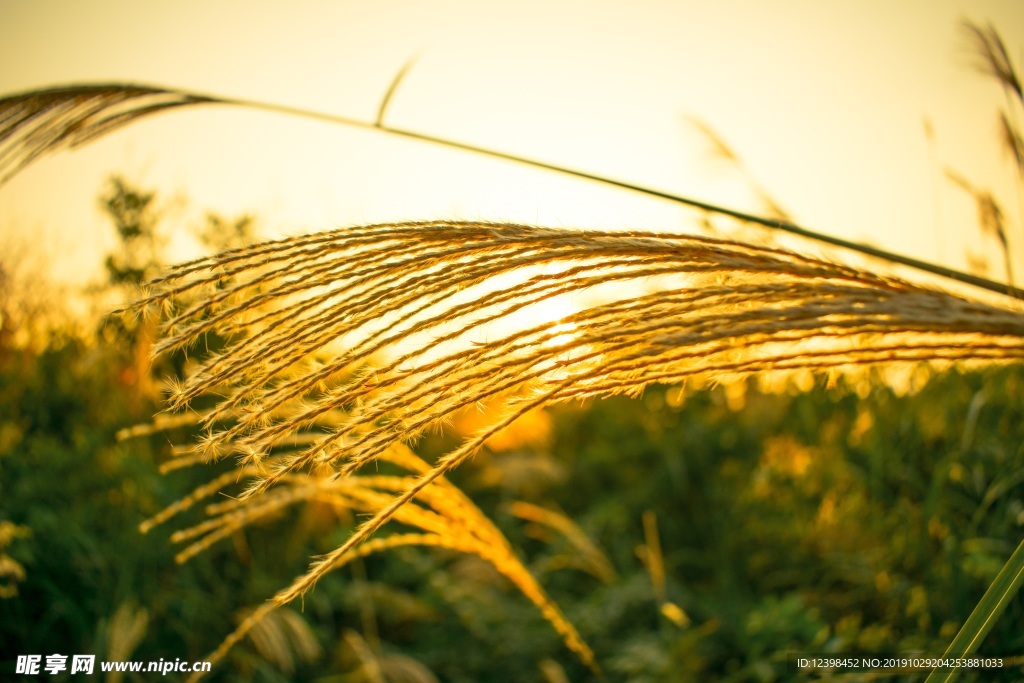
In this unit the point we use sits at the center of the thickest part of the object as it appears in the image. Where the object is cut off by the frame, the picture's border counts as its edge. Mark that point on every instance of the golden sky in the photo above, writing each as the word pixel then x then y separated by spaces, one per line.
pixel 823 101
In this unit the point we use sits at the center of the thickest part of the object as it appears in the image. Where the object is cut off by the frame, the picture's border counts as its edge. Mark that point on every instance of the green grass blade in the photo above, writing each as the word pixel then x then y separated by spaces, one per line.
pixel 985 614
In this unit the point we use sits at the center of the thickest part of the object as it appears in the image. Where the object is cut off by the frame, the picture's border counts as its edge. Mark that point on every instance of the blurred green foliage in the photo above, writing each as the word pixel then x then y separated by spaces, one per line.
pixel 808 522
pixel 841 519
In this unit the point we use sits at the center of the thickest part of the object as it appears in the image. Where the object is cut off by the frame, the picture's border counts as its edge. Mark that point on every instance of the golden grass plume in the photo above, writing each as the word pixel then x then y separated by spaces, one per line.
pixel 45 120
pixel 392 329
pixel 41 121
pixel 441 516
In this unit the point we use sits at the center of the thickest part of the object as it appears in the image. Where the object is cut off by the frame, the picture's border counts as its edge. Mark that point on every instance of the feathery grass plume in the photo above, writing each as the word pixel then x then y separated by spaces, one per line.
pixel 388 330
pixel 720 149
pixel 441 515
pixel 125 631
pixel 40 121
pixel 385 667
pixel 367 659
pixel 587 555
pixel 990 217
pixel 992 59
pixel 36 122
pixel 285 640
pixel 990 55
pixel 1011 140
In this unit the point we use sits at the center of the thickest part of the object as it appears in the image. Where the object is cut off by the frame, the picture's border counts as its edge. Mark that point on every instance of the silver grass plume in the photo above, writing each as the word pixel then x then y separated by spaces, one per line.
pixel 393 329
pixel 40 121
pixel 441 516
pixel 990 55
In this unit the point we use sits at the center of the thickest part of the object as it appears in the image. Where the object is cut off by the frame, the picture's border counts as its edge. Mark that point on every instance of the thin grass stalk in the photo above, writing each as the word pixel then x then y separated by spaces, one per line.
pixel 37 122
pixel 984 616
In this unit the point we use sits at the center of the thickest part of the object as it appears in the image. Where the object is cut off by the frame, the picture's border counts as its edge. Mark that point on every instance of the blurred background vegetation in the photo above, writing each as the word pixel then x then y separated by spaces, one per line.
pixel 689 534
